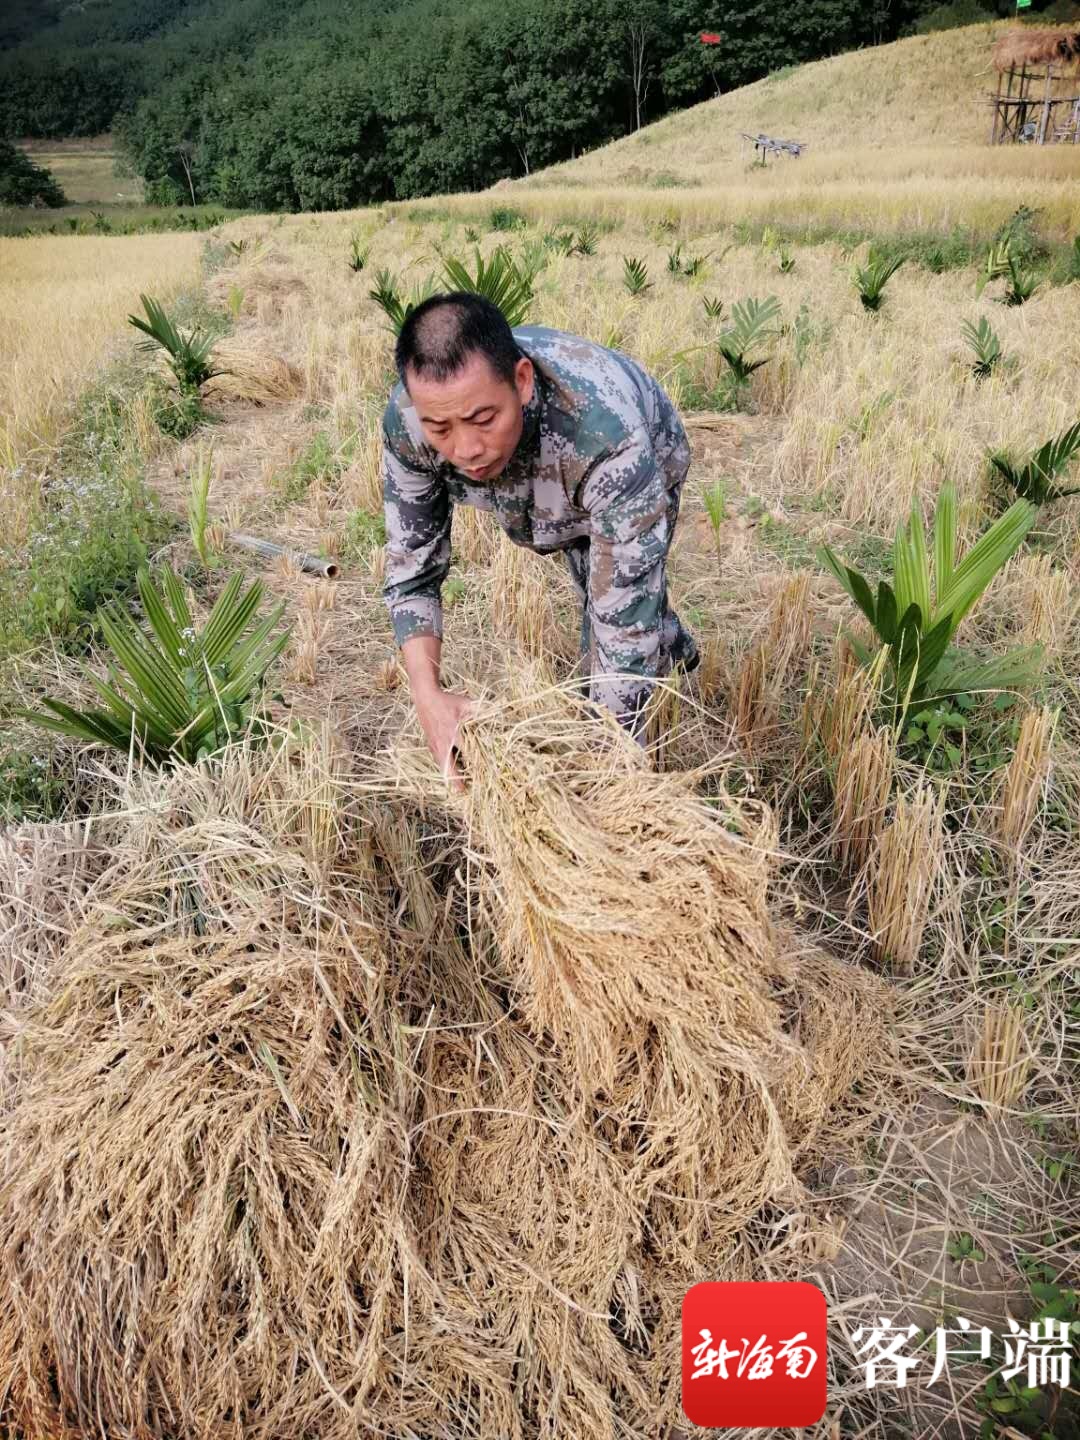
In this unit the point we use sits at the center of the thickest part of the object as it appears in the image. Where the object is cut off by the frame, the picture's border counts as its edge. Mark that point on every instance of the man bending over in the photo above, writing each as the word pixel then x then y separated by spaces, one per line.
pixel 573 447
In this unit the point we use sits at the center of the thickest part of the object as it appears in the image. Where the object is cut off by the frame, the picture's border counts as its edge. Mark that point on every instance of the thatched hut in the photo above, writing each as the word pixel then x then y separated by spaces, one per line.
pixel 1038 90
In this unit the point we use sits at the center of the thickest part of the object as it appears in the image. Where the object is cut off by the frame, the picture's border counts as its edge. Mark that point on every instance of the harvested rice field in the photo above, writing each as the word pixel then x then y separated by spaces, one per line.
pixel 334 1102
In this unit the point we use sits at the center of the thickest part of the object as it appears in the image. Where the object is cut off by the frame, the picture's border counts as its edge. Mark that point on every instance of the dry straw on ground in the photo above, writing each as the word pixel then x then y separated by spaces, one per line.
pixel 373 1116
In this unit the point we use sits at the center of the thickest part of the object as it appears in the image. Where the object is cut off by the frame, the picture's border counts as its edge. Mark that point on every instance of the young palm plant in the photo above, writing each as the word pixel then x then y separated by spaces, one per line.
pixel 586 241
pixel 870 279
pixel 984 345
pixel 751 322
pixel 1002 264
pixel 1036 480
pixel 500 279
pixel 183 694
pixel 395 306
pixel 561 241
pixel 685 266
pixel 714 306
pixel 715 498
pixel 635 275
pixel 916 617
pixel 190 356
pixel 358 254
pixel 199 503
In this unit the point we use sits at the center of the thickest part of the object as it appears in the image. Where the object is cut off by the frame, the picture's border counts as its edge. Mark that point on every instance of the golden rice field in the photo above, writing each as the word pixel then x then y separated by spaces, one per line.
pixel 63 301
pixel 407 1111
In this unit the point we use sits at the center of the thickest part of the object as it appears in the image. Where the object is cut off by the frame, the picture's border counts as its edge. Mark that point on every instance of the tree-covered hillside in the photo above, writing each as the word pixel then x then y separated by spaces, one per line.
pixel 319 104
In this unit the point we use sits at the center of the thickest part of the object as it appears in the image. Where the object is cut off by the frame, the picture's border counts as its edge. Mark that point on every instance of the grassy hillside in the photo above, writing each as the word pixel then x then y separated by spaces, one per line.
pixel 897 137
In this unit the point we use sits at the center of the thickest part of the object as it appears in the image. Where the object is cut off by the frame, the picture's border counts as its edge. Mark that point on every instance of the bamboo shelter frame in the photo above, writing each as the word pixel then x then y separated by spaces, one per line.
pixel 1038 90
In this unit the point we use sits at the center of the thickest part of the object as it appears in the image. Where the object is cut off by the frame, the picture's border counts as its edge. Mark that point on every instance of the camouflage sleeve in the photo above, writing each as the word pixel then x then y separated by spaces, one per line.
pixel 627 498
pixel 417 510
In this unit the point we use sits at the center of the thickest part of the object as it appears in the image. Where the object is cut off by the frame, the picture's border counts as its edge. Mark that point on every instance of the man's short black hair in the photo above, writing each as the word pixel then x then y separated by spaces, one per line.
pixel 441 333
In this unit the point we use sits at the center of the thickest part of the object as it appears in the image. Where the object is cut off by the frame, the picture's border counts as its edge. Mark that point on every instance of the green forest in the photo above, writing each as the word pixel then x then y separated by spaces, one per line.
pixel 323 104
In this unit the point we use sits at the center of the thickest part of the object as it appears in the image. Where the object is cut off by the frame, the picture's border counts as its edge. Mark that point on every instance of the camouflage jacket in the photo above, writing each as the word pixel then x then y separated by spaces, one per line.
pixel 602 456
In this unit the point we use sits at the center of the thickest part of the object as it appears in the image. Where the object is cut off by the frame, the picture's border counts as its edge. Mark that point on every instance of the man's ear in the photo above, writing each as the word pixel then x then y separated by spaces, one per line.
pixel 524 379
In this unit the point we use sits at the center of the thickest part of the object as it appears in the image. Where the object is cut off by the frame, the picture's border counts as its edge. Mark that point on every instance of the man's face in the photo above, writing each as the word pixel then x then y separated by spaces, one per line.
pixel 474 419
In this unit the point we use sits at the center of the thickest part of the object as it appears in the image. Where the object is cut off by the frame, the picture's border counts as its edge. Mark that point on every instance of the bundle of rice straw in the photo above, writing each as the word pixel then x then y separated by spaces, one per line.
pixel 44 873
pixel 346 1113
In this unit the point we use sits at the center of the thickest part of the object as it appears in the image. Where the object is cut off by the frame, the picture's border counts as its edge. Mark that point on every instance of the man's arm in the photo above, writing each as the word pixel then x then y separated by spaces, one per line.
pixel 417 512
pixel 627 498
pixel 418 516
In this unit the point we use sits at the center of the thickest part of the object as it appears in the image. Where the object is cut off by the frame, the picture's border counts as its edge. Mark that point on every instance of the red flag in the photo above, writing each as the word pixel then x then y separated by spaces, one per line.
pixel 708 37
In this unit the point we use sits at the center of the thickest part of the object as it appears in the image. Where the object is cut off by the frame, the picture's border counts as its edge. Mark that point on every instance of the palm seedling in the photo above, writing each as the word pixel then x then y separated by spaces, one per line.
pixel 238 247
pixel 472 234
pixel 635 275
pixel 586 240
pixel 916 617
pixel 534 258
pixel 714 306
pixel 499 278
pixel 199 503
pixel 715 498
pixel 685 266
pixel 984 345
pixel 561 241
pixel 1036 480
pixel 751 321
pixel 1002 264
pixel 358 254
pixel 178 693
pixel 785 261
pixel 870 279
pixel 395 306
pixel 190 356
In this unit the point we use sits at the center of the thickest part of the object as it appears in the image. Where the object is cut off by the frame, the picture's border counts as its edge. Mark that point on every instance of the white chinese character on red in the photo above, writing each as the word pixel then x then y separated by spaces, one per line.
pixel 797 1356
pixel 711 1359
pixel 1044 1358
pixel 754 1361
pixel 885 1340
pixel 941 1349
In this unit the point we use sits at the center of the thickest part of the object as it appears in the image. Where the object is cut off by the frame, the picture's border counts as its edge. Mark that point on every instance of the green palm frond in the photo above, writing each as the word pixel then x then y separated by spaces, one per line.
pixel 1036 480
pixel 190 355
pixel 635 275
pixel 358 254
pixel 751 322
pixel 175 692
pixel 586 240
pixel 984 345
pixel 870 279
pixel 394 305
pixel 500 279
pixel 916 617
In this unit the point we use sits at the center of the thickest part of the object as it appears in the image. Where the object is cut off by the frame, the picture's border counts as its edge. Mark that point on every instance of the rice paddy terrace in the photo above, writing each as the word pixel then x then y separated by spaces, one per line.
pixel 332 1103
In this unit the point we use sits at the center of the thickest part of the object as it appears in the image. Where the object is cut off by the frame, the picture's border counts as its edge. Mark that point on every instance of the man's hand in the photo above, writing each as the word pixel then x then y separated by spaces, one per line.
pixel 439 711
